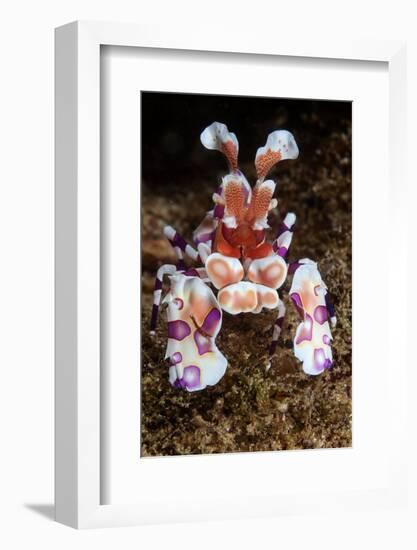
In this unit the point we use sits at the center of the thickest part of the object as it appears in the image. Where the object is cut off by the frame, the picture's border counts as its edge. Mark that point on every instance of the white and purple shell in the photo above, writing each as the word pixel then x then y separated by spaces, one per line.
pixel 312 342
pixel 194 320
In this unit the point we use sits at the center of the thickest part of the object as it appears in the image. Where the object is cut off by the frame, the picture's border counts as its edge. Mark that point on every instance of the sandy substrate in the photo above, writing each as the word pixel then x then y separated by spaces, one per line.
pixel 250 409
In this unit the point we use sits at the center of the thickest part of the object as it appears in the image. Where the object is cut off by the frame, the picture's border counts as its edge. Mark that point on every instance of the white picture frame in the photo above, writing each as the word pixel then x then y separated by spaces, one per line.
pixel 78 405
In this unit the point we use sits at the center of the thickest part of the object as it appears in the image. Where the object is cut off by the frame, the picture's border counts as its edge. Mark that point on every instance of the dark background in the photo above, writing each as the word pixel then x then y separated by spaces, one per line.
pixel 249 409
pixel 172 123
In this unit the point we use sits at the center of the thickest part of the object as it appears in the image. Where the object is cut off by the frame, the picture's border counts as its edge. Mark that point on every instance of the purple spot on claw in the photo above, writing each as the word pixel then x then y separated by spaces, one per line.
pixel 296 298
pixel 282 251
pixel 326 340
pixel 178 330
pixel 202 342
pixel 328 364
pixel 176 358
pixel 191 377
pixel 320 314
pixel 179 302
pixel 211 321
pixel 320 360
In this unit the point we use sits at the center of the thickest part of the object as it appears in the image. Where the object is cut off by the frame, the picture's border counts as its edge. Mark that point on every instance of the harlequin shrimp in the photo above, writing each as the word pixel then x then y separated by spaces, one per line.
pixel 238 271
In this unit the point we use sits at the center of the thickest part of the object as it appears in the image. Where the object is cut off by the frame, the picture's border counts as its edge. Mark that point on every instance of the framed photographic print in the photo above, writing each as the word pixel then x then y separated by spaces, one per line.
pixel 241 247
pixel 223 295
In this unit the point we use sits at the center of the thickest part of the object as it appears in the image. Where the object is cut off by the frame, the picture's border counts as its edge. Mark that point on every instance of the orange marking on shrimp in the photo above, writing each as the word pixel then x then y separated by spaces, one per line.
pixel 261 205
pixel 224 271
pixel 270 272
pixel 308 296
pixel 229 149
pixel 268 298
pixel 265 162
pixel 235 200
pixel 244 300
pixel 239 297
